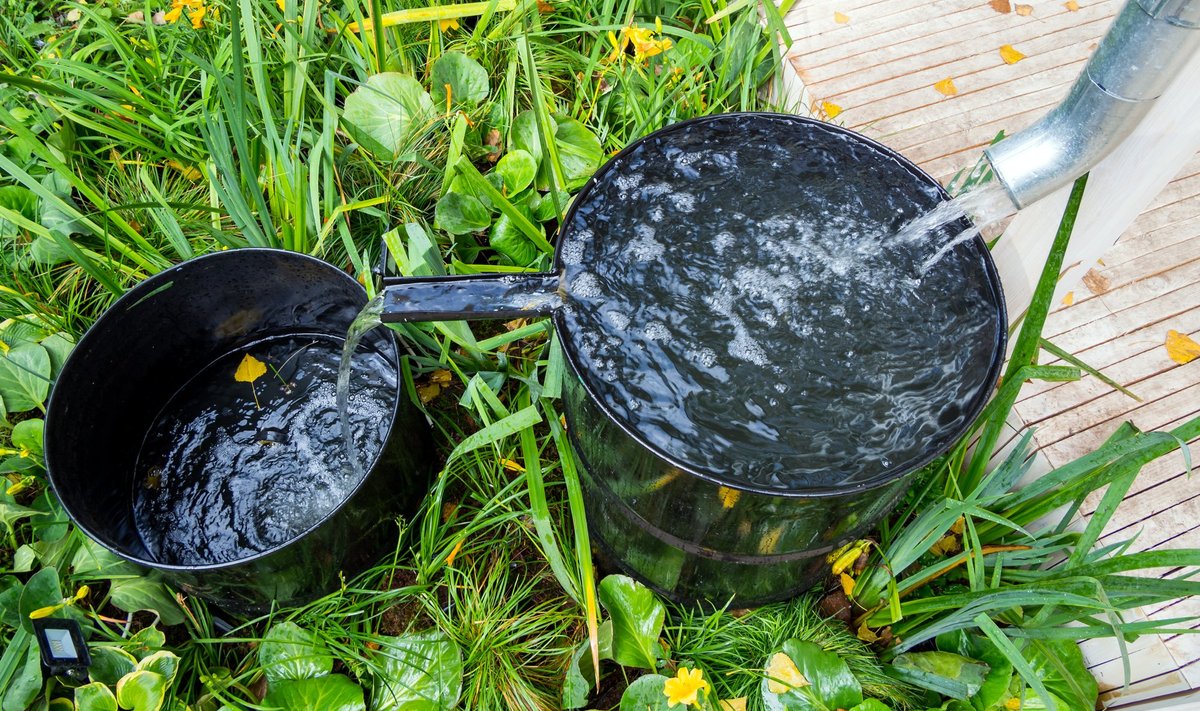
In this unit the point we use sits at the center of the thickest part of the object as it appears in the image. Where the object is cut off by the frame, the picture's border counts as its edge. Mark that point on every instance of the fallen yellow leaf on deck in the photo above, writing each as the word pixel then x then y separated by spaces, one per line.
pixel 1181 347
pixel 1010 55
pixel 840 18
pixel 1069 298
pixel 1071 6
pixel 1024 10
pixel 946 87
pixel 831 109
pixel 249 370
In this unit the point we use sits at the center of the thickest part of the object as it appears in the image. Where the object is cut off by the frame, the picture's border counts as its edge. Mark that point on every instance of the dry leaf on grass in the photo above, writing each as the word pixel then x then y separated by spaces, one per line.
pixel 946 87
pixel 783 675
pixel 1181 348
pixel 1010 55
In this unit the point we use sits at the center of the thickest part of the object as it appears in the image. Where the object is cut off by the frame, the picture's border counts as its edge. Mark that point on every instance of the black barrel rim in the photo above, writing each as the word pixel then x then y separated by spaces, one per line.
pixel 890 474
pixel 130 298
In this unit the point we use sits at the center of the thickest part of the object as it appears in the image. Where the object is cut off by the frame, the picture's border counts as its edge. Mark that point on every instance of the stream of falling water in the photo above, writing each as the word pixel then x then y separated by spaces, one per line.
pixel 984 206
pixel 366 320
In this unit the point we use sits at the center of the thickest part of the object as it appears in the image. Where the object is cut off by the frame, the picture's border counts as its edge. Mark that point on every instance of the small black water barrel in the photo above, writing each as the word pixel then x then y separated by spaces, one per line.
pixel 150 344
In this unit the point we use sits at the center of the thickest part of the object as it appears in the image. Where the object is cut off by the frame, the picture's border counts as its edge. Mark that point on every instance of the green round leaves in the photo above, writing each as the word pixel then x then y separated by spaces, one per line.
pixel 517 169
pixel 388 113
pixel 333 692
pixel 25 377
pixel 461 214
pixel 291 652
pixel 420 671
pixel 464 78
pixel 637 618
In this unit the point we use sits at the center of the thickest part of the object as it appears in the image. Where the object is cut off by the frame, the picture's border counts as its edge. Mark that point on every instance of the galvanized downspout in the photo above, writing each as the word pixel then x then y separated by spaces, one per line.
pixel 1147 45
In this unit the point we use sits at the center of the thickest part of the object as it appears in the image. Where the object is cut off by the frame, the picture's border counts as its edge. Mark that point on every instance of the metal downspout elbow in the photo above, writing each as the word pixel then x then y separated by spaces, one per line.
pixel 1147 45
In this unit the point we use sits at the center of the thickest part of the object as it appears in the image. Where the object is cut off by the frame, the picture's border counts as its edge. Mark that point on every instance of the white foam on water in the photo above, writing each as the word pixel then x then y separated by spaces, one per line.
pixel 683 202
pixel 572 250
pixel 722 241
pixel 657 331
pixel 618 319
pixel 586 286
pixel 644 248
pixel 744 347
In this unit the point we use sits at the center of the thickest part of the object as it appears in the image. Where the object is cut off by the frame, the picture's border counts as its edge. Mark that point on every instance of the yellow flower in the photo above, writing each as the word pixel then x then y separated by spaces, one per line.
pixel 196 11
pixel 197 17
pixel 446 25
pixel 282 4
pixel 643 40
pixel 683 689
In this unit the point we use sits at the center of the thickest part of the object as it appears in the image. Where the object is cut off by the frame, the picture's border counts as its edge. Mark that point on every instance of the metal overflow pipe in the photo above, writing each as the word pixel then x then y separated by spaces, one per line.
pixel 1147 45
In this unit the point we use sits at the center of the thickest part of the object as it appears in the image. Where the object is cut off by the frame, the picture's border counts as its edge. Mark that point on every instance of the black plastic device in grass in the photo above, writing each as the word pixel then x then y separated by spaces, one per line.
pixel 162 449
pixel 758 363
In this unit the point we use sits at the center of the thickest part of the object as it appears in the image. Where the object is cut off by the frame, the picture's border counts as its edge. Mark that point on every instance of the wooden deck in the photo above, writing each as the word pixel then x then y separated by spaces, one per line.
pixel 873 66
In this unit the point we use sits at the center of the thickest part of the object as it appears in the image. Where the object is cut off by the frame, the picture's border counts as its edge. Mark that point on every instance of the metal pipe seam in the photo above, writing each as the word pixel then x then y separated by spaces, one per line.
pixel 1147 45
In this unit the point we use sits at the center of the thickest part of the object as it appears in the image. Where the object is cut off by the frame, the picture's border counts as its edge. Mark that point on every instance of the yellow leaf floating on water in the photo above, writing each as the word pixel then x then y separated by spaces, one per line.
pixel 1181 347
pixel 830 109
pixel 249 370
pixel 1024 10
pixel 1010 55
pixel 946 87
pixel 840 18
pixel 783 675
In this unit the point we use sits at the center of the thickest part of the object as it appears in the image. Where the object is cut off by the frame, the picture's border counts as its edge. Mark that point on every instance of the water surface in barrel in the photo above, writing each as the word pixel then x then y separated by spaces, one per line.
pixel 736 298
pixel 232 468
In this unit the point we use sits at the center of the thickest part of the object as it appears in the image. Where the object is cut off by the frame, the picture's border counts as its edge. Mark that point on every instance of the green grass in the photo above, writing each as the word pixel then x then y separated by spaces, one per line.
pixel 128 146
pixel 135 145
pixel 736 648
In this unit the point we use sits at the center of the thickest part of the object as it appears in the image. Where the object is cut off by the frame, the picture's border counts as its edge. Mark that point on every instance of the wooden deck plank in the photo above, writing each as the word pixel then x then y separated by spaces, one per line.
pixel 880 68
